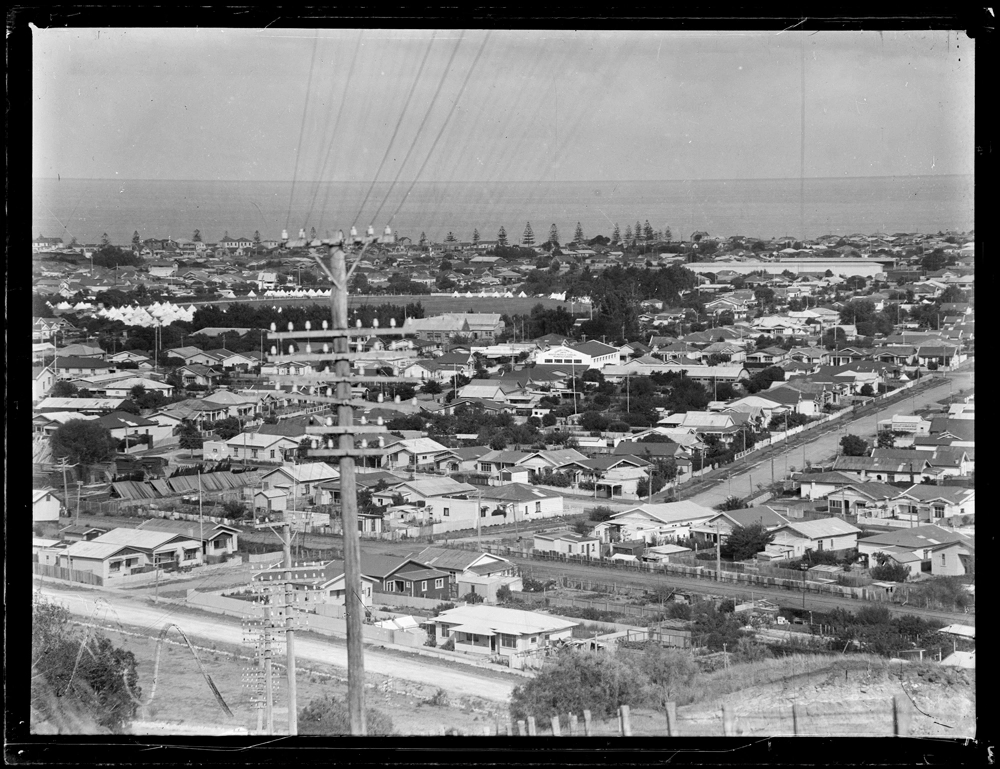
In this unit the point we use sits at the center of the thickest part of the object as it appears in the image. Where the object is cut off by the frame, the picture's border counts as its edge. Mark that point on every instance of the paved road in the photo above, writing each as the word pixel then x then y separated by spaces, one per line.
pixel 457 679
pixel 826 445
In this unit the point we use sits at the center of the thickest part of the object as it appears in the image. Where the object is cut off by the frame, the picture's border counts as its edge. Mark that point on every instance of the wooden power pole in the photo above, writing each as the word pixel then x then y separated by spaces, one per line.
pixel 331 440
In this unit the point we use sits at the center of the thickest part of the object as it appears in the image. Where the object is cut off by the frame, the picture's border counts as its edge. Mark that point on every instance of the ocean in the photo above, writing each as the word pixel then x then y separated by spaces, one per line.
pixel 763 208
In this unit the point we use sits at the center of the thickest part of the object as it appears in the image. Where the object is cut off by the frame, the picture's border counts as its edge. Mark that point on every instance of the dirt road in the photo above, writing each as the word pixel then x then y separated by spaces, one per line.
pixel 455 679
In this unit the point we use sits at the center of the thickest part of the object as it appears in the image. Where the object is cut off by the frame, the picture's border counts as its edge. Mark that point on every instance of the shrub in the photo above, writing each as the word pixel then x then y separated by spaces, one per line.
pixel 503 594
pixel 329 715
pixel 449 644
pixel 602 513
pixel 473 598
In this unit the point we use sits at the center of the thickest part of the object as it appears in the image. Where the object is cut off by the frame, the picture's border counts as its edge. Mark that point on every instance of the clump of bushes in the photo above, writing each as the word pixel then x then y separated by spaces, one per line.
pixel 329 715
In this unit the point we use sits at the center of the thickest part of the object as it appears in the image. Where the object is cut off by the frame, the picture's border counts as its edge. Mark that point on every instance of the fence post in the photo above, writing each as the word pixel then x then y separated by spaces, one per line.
pixel 625 721
pixel 728 727
pixel 572 724
pixel 520 728
pixel 532 731
pixel 555 726
pixel 510 727
pixel 797 719
pixel 672 719
pixel 586 723
pixel 900 717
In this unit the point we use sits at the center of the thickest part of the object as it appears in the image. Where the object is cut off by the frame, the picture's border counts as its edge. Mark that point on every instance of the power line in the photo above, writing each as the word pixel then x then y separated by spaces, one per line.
pixel 420 128
pixel 302 128
pixel 430 152
pixel 399 121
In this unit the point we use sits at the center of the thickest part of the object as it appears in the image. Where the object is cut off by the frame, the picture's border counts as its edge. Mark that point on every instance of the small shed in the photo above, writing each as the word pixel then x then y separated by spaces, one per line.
pixel 45 505
pixel 271 500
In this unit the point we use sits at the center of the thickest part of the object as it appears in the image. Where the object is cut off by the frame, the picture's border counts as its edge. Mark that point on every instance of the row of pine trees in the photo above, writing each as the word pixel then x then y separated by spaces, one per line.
pixel 641 233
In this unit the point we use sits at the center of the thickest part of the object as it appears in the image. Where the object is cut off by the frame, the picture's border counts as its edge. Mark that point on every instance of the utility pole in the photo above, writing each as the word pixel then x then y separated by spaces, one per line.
pixel 293 715
pixel 718 555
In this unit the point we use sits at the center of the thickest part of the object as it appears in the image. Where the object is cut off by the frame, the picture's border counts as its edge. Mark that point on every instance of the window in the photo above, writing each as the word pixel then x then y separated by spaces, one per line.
pixel 272 453
pixel 447 512
pixel 508 641
pixel 943 559
pixel 538 507
pixel 571 548
pixel 116 566
pixel 938 511
pixel 390 587
pixel 438 583
pixel 253 453
pixel 423 586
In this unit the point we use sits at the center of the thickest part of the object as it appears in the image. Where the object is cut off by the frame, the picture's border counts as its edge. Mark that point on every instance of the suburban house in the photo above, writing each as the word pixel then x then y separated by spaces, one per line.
pixel 72 367
pixel 405 576
pixel 927 549
pixel 568 543
pixel 255 447
pixel 320 583
pixel 909 470
pixel 492 631
pixel 479 573
pixel 219 540
pixel 719 527
pixel 869 499
pixel 424 491
pixel 301 482
pixel 795 539
pixel 521 500
pixel 931 503
pixel 42 380
pixel 655 524
pixel 127 551
pixel 587 355
pixel 45 505
pixel 416 454
pixel 820 485
pixel 612 475
pixel 474 326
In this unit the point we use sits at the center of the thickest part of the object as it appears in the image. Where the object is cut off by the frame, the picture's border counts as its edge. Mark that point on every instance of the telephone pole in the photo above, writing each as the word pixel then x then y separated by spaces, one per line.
pixel 334 379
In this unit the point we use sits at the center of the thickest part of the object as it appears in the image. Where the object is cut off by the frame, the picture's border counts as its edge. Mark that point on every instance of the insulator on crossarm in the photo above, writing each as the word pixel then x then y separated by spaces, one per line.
pixel 315 443
pixel 308 325
pixel 274 350
pixel 371 231
pixel 381 442
pixel 329 392
pixel 364 443
pixel 392 322
pixel 308 347
pixel 340 236
pixel 291 349
pixel 302 234
pixel 381 398
pixel 380 421
pixel 329 421
pixel 375 323
pixel 357 323
pixel 324 325
pixel 354 233
pixel 397 399
pixel 284 235
pixel 364 420
pixel 291 326
pixel 326 347
pixel 274 327
pixel 329 443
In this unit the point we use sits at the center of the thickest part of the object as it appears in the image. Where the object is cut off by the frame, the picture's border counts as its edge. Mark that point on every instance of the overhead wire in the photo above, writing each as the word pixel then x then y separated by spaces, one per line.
pixel 399 120
pixel 302 128
pixel 444 125
pixel 420 128
pixel 331 143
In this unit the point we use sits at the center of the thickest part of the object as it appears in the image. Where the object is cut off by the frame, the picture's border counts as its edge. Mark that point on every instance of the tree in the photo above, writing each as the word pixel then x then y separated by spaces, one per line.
pixel 63 389
pixel 329 715
pixel 136 242
pixel 888 570
pixel 578 234
pixel 473 598
pixel 628 233
pixel 190 437
pixel 196 237
pixel 667 234
pixel 423 241
pixel 647 231
pixel 731 503
pixel 431 387
pixel 450 238
pixel 475 237
pixel 528 238
pixel 853 446
pixel 227 428
pixel 616 236
pixel 105 240
pixel 502 236
pixel 886 439
pixel 745 542
pixel 867 391
pixel 554 235
pixel 256 241
pixel 80 682
pixel 83 442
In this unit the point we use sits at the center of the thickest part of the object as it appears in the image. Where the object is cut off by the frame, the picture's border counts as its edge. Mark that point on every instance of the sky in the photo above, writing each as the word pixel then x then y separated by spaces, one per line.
pixel 464 105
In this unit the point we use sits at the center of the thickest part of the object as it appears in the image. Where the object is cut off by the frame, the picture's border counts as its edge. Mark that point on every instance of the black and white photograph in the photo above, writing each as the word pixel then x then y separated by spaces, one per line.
pixel 501 382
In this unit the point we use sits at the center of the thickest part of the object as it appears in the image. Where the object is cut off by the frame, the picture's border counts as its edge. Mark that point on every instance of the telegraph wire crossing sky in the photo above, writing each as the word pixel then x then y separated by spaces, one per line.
pixel 233 104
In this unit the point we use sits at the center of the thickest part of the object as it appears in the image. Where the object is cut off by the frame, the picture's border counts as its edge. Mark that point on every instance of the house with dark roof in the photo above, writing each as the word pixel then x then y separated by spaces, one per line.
pixel 719 527
pixel 796 538
pixel 612 476
pixel 820 485
pixel 405 576
pixel 891 470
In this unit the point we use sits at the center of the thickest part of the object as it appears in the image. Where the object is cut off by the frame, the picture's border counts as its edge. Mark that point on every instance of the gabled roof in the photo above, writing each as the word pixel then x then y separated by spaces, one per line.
pixel 669 512
pixel 823 527
pixel 518 492
pixel 926 536
pixel 748 516
pixel 925 492
pixel 489 620
pixel 139 539
pixel 566 536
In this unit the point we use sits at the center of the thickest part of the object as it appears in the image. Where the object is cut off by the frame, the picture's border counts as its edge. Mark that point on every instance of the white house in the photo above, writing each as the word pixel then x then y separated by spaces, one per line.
pixel 491 631
pixel 583 356
pixel 568 543
pixel 654 523
pixel 793 539
pixel 45 505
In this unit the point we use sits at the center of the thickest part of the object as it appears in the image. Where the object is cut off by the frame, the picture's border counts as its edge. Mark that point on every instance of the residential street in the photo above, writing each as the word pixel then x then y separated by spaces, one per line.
pixel 458 680
pixel 826 445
